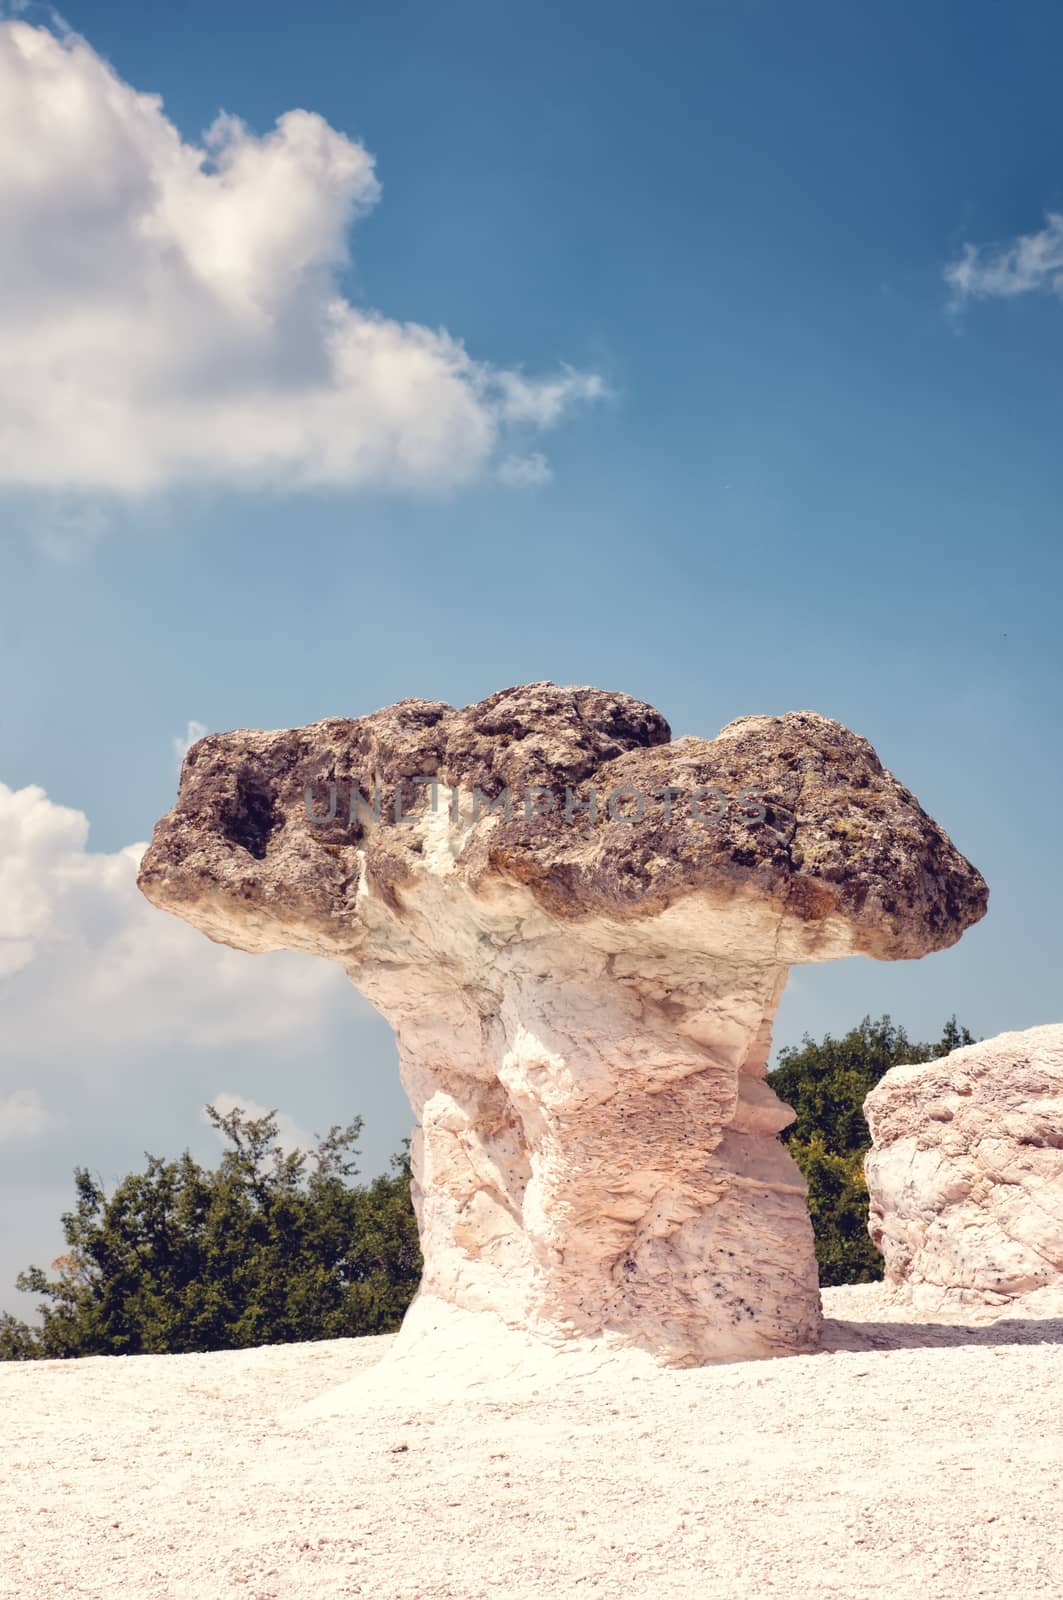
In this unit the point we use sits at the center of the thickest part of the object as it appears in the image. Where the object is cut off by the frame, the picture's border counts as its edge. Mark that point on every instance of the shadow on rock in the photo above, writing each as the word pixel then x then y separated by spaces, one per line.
pixel 841 1336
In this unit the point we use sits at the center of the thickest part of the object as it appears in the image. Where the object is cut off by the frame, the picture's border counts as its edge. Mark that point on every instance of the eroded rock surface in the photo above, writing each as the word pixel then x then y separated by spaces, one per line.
pixel 583 990
pixel 966 1178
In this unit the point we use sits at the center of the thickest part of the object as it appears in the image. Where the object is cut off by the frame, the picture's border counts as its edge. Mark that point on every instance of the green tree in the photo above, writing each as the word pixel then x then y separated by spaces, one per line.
pixel 18 1342
pixel 268 1247
pixel 826 1083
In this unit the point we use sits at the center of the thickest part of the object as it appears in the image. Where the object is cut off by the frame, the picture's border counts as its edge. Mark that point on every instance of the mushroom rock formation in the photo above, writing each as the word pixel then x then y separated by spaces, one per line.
pixel 966 1178
pixel 580 930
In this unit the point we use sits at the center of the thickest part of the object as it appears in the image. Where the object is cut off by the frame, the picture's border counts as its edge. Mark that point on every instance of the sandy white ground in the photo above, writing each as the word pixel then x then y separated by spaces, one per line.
pixel 904 1460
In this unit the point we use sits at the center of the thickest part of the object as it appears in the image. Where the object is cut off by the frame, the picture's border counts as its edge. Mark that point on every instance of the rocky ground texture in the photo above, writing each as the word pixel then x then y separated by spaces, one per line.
pixel 905 1460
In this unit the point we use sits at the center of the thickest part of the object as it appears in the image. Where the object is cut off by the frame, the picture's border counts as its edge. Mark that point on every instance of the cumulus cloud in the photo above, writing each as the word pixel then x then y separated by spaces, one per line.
pixel 171 312
pixel 119 1022
pixel 88 969
pixel 1033 262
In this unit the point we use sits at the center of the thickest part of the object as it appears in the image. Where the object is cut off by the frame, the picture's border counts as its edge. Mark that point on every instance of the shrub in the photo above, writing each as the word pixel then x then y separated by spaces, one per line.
pixel 826 1084
pixel 267 1247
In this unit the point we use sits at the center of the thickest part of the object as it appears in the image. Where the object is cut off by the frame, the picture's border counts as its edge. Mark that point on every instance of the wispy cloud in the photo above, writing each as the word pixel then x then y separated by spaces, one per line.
pixel 1028 264
pixel 68 527
pixel 23 1116
pixel 525 472
pixel 182 743
pixel 544 402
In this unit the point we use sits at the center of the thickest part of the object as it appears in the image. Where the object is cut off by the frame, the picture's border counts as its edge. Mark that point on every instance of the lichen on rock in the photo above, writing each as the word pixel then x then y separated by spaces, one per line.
pixel 580 930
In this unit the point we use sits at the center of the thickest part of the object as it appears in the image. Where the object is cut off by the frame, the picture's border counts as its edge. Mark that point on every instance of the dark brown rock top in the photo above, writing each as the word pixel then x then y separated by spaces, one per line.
pixel 607 817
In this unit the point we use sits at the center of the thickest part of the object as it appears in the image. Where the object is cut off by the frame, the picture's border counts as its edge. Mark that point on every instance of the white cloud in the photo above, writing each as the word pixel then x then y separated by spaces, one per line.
pixel 118 1022
pixel 1032 262
pixel 525 472
pixel 23 1116
pixel 290 1136
pixel 89 971
pixel 544 402
pixel 182 745
pixel 171 312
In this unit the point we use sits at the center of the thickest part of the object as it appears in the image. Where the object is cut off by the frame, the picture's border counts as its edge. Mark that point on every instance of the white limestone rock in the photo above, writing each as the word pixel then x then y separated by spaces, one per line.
pixel 582 992
pixel 966 1178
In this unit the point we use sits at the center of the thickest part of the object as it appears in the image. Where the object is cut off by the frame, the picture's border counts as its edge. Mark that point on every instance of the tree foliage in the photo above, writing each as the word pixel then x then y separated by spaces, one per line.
pixel 826 1084
pixel 274 1247
pixel 268 1247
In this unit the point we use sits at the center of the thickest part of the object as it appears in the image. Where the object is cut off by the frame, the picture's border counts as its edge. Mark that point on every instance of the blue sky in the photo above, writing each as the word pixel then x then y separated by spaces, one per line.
pixel 775 447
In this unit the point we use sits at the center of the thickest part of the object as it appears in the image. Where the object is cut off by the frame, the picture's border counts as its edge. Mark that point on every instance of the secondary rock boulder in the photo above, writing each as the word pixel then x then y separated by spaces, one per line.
pixel 966 1178
pixel 580 930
